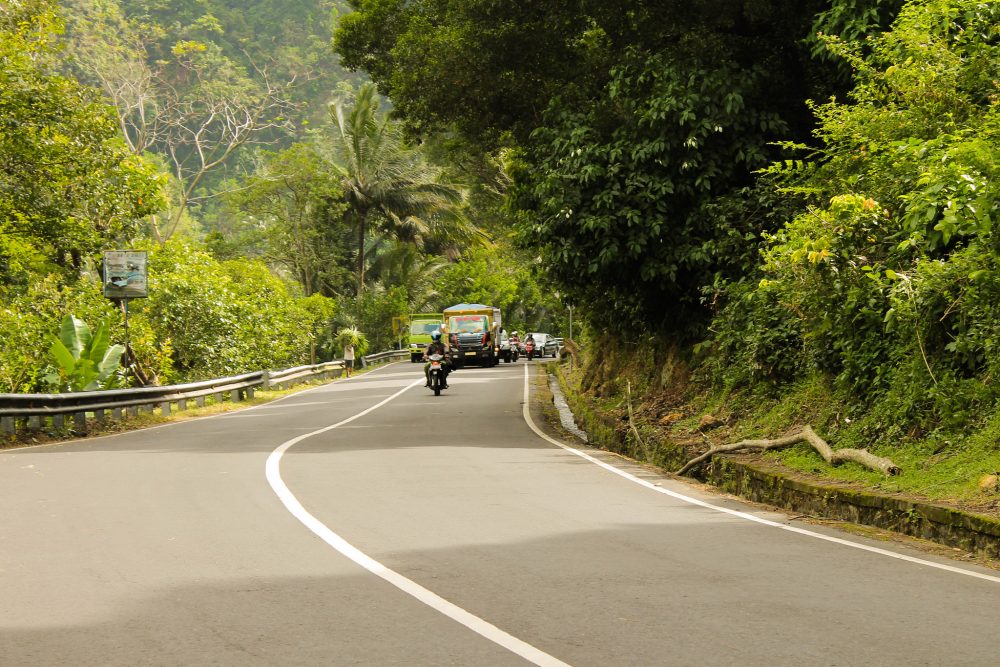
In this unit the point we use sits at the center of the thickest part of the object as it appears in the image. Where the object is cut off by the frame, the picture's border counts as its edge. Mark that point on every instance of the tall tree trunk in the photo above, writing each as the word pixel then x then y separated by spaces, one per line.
pixel 362 223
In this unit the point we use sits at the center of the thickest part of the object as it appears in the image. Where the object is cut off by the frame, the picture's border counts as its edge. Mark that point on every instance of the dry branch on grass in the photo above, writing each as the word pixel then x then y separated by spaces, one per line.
pixel 830 455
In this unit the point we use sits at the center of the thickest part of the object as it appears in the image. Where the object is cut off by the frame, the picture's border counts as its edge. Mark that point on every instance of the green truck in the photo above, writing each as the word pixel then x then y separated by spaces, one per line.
pixel 421 325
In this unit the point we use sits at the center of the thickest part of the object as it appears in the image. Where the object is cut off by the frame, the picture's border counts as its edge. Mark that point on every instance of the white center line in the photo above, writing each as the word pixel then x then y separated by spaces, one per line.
pixel 431 599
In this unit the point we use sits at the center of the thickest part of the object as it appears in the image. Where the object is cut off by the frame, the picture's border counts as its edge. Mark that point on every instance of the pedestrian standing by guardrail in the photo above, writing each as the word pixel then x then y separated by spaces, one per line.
pixel 349 359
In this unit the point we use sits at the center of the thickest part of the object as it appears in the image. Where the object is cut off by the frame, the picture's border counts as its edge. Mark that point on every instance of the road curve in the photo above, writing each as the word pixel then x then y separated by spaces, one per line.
pixel 367 522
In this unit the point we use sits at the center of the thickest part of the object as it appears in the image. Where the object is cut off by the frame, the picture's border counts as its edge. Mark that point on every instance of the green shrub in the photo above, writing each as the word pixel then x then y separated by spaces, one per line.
pixel 230 317
pixel 28 319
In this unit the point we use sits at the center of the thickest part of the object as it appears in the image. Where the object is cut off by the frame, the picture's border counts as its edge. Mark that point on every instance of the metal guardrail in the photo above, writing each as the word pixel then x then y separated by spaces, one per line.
pixel 33 412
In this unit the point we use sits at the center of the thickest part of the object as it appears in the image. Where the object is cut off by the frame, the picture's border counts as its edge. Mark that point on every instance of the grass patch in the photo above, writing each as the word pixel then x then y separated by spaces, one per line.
pixel 958 468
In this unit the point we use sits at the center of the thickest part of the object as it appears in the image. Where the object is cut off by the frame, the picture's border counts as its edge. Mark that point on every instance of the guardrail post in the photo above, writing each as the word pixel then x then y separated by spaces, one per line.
pixel 219 397
pixel 265 379
pixel 249 393
pixel 7 425
pixel 100 417
pixel 199 401
pixel 132 411
pixel 116 414
pixel 182 404
pixel 165 408
pixel 80 422
pixel 58 422
pixel 34 423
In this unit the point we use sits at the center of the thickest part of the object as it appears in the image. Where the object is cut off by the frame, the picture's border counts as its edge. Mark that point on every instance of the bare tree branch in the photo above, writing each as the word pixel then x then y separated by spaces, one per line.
pixel 830 455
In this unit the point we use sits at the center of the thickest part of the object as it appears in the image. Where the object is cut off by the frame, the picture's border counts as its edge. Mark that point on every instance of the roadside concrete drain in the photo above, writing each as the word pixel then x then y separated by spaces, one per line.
pixel 565 414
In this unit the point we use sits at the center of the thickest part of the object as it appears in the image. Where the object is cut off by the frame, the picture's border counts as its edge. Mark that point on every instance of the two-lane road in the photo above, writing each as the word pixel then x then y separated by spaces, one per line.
pixel 368 522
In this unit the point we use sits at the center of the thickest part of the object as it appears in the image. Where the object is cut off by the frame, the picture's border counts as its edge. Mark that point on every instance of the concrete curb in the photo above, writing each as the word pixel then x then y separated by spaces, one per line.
pixel 974 533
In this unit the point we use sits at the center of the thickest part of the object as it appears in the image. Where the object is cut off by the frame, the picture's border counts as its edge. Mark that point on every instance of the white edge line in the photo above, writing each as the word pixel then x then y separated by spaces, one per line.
pixel 408 586
pixel 743 515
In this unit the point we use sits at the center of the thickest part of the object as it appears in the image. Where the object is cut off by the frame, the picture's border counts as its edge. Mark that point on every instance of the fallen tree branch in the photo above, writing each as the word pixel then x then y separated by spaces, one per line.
pixel 830 455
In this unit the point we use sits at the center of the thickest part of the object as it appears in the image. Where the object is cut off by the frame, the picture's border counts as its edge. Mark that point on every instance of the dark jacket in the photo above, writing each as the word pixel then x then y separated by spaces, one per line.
pixel 436 348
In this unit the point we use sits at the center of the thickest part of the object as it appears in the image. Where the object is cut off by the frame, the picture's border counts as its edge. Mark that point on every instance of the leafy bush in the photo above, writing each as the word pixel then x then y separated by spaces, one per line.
pixel 27 320
pixel 230 317
pixel 886 282
pixel 372 313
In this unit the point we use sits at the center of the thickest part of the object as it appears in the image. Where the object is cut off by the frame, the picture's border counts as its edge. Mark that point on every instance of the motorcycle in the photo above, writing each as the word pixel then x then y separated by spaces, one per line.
pixel 436 373
pixel 529 348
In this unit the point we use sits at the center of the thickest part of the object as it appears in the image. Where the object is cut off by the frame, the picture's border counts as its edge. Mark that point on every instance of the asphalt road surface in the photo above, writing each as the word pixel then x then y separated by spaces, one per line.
pixel 367 522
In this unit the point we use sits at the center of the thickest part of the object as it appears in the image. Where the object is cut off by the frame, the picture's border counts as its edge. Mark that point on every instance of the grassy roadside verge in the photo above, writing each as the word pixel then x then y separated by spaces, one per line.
pixel 858 513
pixel 959 470
pixel 947 491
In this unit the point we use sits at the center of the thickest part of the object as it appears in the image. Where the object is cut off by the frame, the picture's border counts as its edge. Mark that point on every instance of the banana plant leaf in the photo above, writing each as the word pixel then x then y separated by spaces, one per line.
pixel 85 359
pixel 74 334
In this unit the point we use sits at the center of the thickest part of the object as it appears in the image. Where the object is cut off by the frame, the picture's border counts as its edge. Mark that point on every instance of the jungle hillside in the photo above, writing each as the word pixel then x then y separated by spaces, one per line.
pixel 279 201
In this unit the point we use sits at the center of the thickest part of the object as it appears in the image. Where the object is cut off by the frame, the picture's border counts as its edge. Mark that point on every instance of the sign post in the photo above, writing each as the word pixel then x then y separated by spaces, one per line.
pixel 126 277
pixel 398 327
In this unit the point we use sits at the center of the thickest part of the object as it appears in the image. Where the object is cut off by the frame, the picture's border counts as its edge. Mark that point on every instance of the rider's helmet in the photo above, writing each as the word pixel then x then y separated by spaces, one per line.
pixel 514 334
pixel 436 336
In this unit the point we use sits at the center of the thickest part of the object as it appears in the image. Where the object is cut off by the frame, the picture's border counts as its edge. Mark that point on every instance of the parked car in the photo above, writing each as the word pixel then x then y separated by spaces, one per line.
pixel 559 346
pixel 550 348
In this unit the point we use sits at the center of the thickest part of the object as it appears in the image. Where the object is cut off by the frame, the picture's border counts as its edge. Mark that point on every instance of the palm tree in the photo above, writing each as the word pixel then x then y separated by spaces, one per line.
pixel 386 183
pixel 400 263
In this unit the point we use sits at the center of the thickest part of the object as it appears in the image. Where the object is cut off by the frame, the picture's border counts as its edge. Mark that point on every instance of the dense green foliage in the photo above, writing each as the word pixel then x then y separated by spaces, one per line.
pixel 487 68
pixel 886 281
pixel 297 209
pixel 72 185
pixel 66 180
pixel 222 318
pixel 142 125
pixel 388 186
pixel 29 317
pixel 637 133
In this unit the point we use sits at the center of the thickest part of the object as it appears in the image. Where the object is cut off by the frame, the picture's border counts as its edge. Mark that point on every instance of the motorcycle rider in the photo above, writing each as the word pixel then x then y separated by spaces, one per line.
pixel 436 347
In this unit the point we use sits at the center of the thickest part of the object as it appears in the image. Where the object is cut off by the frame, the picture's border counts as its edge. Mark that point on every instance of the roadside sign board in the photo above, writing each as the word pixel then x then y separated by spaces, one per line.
pixel 126 274
pixel 399 325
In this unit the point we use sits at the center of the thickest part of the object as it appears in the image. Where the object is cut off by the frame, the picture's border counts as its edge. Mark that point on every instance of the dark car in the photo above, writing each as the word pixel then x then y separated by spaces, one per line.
pixel 543 344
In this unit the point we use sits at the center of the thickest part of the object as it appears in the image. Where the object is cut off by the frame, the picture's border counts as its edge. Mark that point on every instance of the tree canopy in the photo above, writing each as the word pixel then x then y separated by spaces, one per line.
pixel 67 181
pixel 637 128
